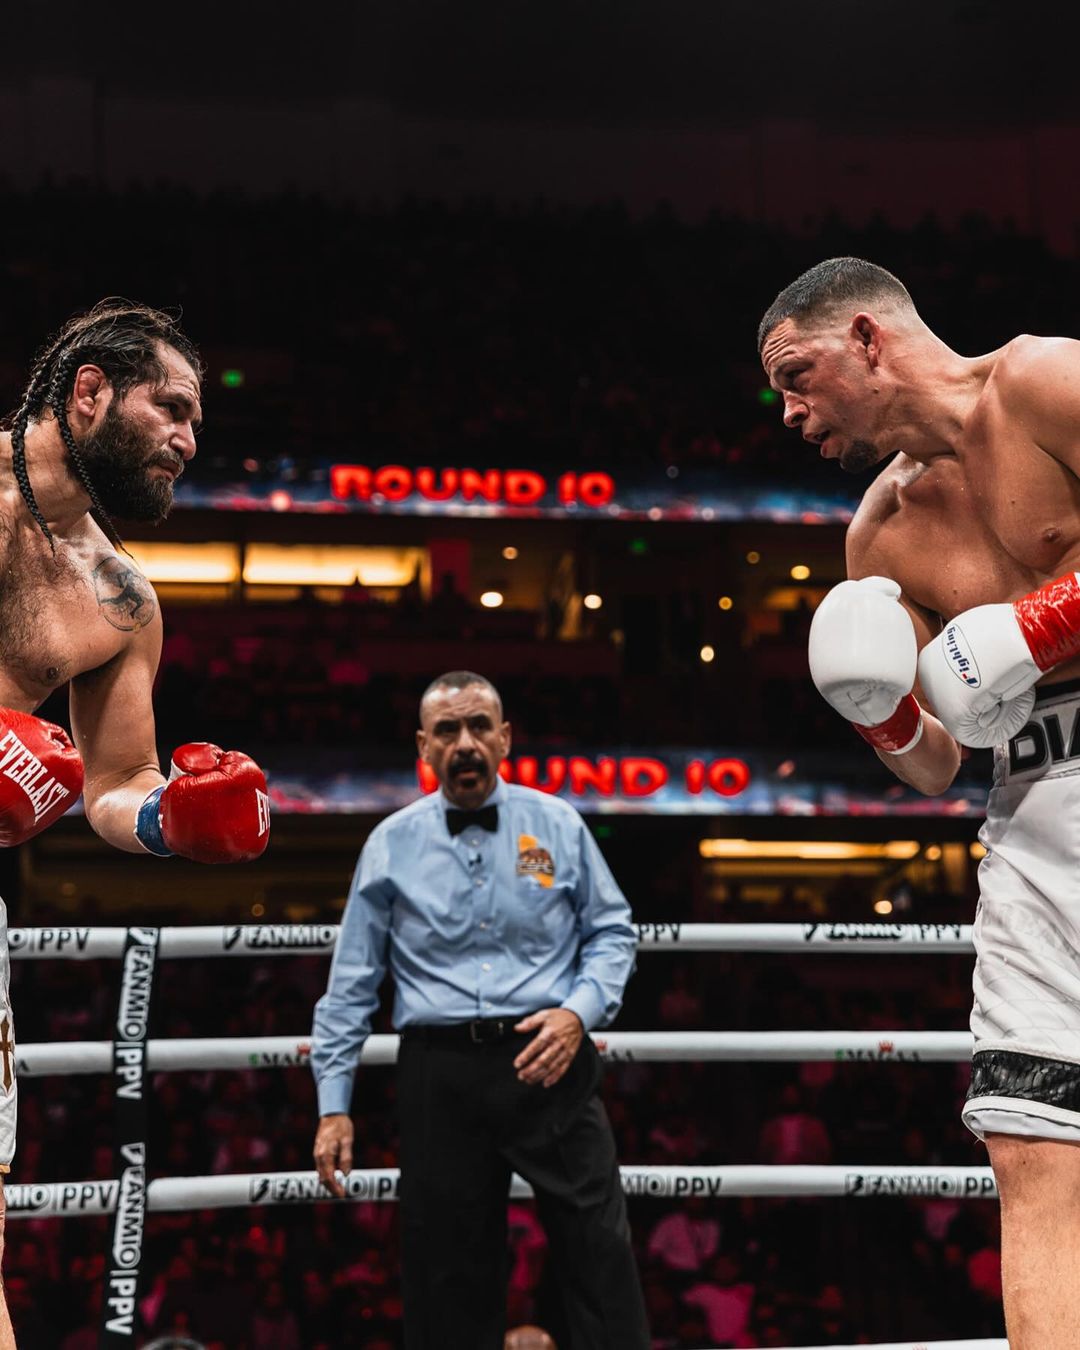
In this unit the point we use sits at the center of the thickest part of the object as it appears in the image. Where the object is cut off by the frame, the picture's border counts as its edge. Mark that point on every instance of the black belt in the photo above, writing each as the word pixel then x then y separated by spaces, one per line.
pixel 482 1031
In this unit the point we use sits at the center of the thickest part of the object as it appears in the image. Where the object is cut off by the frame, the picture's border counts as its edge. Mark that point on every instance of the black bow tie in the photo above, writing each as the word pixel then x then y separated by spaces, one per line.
pixel 487 818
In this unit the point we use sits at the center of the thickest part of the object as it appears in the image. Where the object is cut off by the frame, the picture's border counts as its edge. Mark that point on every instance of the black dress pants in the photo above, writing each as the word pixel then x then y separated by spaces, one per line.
pixel 466 1124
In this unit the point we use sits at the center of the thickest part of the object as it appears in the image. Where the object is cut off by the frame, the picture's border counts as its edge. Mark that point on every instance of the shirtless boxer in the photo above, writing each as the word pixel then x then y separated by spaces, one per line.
pixel 106 426
pixel 963 599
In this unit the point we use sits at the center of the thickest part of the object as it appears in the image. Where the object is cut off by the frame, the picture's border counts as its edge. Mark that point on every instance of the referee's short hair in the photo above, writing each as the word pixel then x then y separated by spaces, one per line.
pixel 459 679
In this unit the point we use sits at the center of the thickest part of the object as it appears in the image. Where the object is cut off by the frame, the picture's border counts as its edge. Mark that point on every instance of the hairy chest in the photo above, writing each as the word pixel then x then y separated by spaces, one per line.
pixel 63 615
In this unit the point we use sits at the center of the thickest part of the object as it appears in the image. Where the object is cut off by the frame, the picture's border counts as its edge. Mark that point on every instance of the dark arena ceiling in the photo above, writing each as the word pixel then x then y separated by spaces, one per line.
pixel 605 62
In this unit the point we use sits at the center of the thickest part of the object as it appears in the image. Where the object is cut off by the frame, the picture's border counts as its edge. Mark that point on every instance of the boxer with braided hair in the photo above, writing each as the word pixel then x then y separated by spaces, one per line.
pixel 124 340
pixel 106 425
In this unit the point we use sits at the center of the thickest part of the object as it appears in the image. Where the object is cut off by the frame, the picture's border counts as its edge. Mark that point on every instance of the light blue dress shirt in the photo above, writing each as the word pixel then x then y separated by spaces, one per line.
pixel 479 924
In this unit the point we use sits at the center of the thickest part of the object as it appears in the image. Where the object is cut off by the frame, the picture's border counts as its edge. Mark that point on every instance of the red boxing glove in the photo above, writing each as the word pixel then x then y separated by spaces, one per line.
pixel 41 774
pixel 214 809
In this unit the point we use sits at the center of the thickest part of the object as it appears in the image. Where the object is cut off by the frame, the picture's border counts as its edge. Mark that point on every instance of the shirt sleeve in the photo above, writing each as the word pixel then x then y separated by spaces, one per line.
pixel 608 940
pixel 342 1021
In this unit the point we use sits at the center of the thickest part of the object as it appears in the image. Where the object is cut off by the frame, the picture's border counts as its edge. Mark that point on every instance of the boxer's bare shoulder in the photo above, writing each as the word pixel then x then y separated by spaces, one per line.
pixel 1020 456
pixel 1036 384
pixel 1028 360
pixel 1000 514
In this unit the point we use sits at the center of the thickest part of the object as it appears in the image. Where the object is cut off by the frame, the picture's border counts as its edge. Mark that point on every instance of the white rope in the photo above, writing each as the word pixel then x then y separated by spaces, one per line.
pixel 381 1184
pixel 915 1345
pixel 792 1047
pixel 616 1047
pixel 291 939
pixel 798 937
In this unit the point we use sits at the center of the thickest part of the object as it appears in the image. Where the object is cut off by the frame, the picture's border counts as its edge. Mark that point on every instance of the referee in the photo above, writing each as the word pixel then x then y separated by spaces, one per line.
pixel 508 940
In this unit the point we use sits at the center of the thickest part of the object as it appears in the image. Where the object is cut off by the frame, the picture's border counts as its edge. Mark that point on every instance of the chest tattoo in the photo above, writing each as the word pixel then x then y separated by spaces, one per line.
pixel 123 594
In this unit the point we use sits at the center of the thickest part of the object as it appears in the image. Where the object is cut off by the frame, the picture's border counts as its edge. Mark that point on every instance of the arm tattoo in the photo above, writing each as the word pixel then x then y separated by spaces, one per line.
pixel 123 594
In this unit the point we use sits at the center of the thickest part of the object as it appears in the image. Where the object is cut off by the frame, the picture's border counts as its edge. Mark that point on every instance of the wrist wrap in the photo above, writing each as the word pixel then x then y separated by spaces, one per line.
pixel 1049 619
pixel 899 733
pixel 148 826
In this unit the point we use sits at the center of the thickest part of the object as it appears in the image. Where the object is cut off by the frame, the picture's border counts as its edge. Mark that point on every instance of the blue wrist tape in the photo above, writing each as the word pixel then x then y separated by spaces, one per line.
pixel 148 826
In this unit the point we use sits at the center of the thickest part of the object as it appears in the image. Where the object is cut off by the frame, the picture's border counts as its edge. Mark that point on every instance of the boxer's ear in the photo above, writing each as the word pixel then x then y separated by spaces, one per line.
pixel 90 390
pixel 866 331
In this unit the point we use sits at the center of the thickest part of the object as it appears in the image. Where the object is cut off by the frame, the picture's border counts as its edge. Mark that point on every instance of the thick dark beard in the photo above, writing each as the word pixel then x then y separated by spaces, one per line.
pixel 860 456
pixel 118 458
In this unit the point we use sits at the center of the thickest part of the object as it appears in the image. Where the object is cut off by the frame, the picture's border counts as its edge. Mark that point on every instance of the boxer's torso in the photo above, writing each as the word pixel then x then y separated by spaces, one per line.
pixel 64 615
pixel 990 522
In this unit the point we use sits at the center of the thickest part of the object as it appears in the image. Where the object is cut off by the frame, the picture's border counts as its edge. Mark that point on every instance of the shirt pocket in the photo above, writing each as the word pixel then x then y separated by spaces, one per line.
pixel 546 916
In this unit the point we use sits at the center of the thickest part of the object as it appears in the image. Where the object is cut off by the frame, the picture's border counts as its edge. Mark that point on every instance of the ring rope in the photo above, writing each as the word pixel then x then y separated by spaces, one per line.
pixel 128 1062
pixel 364 1185
pixel 64 1199
pixel 181 1054
pixel 92 944
pixel 917 1345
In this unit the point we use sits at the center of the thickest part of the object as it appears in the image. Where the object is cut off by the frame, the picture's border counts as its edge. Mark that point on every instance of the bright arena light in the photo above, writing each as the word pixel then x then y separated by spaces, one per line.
pixel 753 557
pixel 808 850
pixel 708 654
pixel 491 599
pixel 329 565
pixel 206 564
pixel 882 906
pixel 800 572
pixel 592 601
pixel 510 553
pixel 725 602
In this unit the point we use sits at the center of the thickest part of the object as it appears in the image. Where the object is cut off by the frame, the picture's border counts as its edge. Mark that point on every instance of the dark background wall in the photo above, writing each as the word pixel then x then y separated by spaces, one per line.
pixel 778 112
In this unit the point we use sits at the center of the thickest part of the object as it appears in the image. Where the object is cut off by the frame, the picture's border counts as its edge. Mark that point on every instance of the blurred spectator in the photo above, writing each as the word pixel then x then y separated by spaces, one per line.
pixel 794 1134
pixel 681 1009
pixel 835 1324
pixel 448 609
pixel 686 1239
pixel 726 1298
pixel 274 1327
pixel 528 1338
pixel 528 1245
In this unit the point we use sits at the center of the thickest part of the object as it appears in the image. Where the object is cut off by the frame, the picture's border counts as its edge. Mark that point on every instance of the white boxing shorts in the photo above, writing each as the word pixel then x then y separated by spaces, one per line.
pixel 8 1091
pixel 1026 1016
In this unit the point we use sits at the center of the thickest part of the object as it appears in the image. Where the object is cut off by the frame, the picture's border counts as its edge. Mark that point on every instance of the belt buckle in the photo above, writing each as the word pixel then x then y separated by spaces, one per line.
pixel 478 1030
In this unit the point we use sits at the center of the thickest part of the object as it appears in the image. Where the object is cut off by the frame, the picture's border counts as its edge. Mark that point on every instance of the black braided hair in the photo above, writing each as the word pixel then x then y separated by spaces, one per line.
pixel 121 337
pixel 57 400
pixel 19 422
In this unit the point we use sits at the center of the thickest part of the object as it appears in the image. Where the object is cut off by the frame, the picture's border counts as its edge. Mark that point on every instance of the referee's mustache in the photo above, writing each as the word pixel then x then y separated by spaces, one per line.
pixel 467 764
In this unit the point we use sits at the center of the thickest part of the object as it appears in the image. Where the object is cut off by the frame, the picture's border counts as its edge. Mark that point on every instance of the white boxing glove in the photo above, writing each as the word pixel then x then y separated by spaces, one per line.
pixel 981 669
pixel 863 657
pixel 979 675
